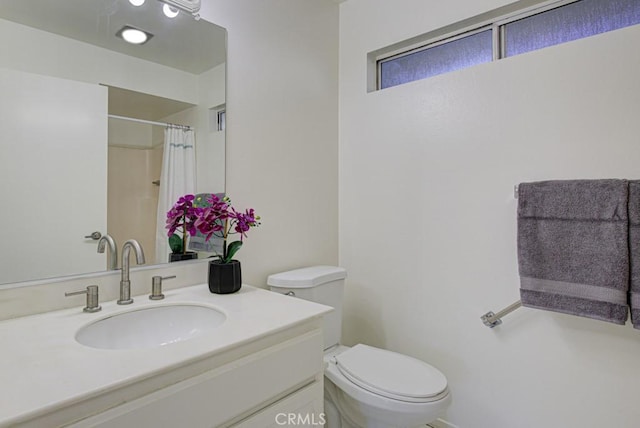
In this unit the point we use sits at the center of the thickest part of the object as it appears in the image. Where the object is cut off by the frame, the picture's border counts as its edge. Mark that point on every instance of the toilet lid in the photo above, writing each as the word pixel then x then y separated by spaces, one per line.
pixel 391 375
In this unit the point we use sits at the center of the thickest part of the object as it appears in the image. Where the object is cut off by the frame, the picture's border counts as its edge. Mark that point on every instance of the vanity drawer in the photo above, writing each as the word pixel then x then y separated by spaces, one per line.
pixel 302 408
pixel 227 393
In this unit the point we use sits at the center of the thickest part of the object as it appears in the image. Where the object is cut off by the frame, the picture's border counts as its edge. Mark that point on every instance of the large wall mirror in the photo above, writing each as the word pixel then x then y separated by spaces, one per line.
pixel 82 126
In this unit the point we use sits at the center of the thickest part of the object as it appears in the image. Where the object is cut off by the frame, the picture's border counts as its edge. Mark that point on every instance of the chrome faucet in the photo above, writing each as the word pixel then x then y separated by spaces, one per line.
pixel 125 284
pixel 113 250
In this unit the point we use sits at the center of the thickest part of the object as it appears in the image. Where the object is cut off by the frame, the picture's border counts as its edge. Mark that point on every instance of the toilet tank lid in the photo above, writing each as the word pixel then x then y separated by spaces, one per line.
pixel 307 277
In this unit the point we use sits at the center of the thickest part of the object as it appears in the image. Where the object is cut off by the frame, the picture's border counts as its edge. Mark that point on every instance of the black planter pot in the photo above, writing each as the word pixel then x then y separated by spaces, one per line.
pixel 178 257
pixel 224 278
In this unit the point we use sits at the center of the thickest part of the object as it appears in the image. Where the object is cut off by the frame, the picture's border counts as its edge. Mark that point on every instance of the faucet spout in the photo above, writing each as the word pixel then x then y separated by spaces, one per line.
pixel 113 250
pixel 125 283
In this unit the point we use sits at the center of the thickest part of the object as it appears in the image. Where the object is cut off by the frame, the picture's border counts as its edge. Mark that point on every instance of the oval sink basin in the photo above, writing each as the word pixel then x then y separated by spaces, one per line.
pixel 150 327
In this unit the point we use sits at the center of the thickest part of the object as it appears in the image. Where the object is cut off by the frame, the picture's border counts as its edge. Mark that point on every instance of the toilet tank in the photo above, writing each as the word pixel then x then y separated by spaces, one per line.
pixel 320 284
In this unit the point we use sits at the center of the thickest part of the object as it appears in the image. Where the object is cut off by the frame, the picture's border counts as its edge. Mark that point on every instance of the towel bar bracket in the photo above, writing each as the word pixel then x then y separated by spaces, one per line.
pixel 491 320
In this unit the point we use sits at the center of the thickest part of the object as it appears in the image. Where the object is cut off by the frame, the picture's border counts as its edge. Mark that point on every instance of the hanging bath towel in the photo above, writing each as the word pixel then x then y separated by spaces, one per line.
pixel 573 247
pixel 634 251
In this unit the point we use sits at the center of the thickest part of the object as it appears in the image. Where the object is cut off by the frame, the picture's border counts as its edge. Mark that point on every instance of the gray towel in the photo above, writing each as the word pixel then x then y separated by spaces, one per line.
pixel 634 252
pixel 573 247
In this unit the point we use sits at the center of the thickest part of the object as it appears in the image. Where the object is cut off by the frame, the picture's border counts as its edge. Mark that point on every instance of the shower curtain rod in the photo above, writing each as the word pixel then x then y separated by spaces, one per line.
pixel 148 122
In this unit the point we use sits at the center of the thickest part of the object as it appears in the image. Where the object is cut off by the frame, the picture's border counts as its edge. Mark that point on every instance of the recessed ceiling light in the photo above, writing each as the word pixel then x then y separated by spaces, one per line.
pixel 133 35
pixel 170 12
pixel 136 2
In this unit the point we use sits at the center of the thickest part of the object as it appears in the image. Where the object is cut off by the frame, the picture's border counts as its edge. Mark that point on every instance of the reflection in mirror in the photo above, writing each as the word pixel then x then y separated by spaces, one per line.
pixel 83 117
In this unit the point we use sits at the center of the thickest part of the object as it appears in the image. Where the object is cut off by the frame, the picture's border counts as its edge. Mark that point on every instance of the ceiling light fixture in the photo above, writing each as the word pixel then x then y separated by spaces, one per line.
pixel 137 2
pixel 133 35
pixel 190 6
pixel 170 12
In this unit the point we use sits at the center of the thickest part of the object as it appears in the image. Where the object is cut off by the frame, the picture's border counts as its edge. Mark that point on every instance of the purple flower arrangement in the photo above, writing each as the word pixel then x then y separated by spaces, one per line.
pixel 217 219
pixel 181 217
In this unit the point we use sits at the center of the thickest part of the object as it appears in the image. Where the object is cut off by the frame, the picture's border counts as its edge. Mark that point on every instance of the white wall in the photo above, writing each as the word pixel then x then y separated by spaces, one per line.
pixel 41 52
pixel 47 125
pixel 123 133
pixel 210 143
pixel 427 214
pixel 282 151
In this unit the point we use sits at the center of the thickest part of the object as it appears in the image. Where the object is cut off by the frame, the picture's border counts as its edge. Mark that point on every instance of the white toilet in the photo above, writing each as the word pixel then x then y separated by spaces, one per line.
pixel 365 386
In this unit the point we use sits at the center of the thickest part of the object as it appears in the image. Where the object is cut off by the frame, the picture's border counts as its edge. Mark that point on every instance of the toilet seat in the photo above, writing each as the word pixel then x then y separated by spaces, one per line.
pixel 391 375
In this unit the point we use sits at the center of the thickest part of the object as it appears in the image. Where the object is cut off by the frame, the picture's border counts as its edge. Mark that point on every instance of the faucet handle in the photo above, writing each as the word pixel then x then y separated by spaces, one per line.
pixel 156 287
pixel 92 298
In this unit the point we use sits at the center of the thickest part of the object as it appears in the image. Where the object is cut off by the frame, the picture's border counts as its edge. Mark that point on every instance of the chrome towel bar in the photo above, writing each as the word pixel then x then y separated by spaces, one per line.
pixel 491 320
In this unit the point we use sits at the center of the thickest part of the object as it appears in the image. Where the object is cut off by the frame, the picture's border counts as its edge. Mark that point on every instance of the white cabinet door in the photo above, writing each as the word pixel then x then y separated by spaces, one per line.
pixel 53 175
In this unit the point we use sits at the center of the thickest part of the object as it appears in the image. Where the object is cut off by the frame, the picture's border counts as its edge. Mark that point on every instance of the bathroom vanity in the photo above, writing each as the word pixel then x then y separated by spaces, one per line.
pixel 262 361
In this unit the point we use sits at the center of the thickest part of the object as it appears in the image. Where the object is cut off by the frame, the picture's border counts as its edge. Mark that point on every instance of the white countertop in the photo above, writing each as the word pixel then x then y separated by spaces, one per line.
pixel 43 368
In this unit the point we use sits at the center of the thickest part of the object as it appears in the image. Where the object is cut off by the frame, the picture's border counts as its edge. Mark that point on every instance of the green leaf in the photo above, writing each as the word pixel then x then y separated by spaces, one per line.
pixel 175 243
pixel 232 249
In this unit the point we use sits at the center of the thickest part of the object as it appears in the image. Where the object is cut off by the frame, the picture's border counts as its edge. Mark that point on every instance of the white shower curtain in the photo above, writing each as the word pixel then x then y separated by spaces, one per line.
pixel 177 178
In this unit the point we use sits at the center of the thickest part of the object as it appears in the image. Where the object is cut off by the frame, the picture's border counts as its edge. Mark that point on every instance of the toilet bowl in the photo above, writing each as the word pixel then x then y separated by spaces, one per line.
pixel 365 386
pixel 372 387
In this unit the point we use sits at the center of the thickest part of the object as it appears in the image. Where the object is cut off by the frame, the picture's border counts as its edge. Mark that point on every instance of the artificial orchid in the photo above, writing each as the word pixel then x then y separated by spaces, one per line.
pixel 221 220
pixel 216 219
pixel 182 217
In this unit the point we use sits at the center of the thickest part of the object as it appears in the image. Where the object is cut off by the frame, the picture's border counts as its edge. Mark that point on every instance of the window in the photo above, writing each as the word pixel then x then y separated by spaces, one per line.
pixel 569 22
pixel 222 120
pixel 436 59
pixel 217 118
pixel 513 34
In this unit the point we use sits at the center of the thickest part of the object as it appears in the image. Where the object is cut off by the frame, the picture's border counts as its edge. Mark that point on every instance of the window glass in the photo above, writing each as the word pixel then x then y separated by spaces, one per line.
pixel 570 22
pixel 431 61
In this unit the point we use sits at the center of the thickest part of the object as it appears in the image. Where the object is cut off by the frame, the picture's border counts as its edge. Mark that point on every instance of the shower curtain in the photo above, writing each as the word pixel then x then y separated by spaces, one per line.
pixel 177 178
